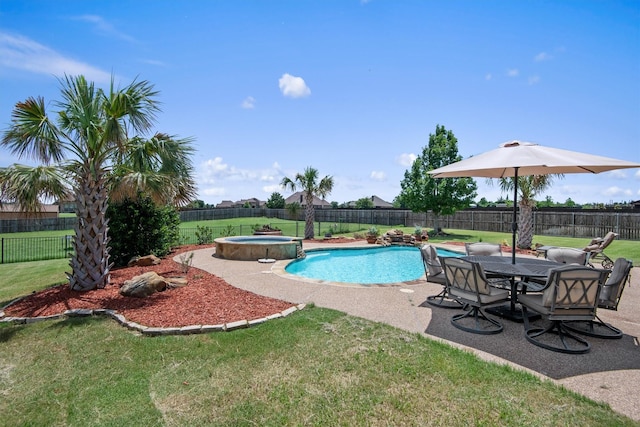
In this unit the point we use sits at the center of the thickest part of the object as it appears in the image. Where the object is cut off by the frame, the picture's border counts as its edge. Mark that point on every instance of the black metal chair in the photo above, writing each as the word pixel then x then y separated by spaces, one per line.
pixel 468 284
pixel 434 272
pixel 571 294
pixel 609 299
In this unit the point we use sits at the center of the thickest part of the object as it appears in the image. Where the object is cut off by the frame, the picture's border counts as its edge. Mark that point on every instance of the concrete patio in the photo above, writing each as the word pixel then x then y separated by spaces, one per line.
pixel 610 372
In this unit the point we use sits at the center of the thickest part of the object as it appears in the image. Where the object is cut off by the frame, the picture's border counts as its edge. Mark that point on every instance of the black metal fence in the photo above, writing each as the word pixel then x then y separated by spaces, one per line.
pixel 553 222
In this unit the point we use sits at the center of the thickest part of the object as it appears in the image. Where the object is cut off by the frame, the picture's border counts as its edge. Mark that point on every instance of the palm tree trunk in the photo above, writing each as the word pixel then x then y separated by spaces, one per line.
pixel 309 216
pixel 90 262
pixel 525 226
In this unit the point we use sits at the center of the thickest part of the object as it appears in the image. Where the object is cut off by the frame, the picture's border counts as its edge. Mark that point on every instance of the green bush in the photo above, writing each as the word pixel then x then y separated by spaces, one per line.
pixel 140 227
pixel 204 235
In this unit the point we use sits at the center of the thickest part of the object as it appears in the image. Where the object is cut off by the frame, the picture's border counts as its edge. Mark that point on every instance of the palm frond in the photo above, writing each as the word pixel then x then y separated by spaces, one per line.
pixel 32 134
pixel 28 186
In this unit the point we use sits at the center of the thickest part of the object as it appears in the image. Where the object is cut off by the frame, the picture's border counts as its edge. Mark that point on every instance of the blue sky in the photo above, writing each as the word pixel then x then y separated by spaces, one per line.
pixel 352 88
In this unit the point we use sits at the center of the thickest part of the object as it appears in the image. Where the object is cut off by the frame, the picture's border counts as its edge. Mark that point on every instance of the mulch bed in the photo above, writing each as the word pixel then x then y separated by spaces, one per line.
pixel 206 300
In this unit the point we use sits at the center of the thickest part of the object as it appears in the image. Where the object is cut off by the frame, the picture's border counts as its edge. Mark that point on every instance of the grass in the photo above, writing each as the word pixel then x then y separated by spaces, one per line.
pixel 315 367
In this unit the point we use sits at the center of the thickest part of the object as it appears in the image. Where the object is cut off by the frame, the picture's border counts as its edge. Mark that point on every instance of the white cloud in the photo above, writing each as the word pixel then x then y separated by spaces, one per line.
pixel 616 192
pixel 542 56
pixel 103 27
pixel 213 191
pixel 269 189
pixel 405 159
pixel 534 80
pixel 513 72
pixel 249 103
pixel 378 175
pixel 620 174
pixel 293 87
pixel 637 174
pixel 22 53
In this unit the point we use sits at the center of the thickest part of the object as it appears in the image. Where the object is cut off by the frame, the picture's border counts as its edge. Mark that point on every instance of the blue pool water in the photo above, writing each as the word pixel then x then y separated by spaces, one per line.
pixel 363 265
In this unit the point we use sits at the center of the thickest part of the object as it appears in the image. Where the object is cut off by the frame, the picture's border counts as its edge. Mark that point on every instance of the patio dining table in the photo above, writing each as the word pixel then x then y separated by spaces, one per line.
pixel 524 268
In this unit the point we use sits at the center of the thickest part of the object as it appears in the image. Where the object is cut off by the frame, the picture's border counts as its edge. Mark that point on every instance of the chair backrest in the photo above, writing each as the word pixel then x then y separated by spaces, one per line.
pixel 465 275
pixel 567 255
pixel 599 245
pixel 572 291
pixel 482 248
pixel 613 287
pixel 432 266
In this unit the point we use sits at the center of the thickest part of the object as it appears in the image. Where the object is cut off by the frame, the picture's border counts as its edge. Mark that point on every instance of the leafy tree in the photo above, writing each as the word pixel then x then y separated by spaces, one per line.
pixel 443 196
pixel 276 201
pixel 87 150
pixel 528 186
pixel 140 227
pixel 483 203
pixel 364 203
pixel 570 203
pixel 308 182
pixel 196 204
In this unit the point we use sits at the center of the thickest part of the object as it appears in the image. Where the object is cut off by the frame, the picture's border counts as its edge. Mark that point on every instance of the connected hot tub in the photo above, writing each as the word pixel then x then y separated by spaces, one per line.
pixel 252 248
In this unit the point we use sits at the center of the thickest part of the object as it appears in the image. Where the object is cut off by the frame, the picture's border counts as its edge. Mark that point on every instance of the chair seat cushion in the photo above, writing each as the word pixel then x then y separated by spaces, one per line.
pixel 438 278
pixel 534 302
pixel 494 295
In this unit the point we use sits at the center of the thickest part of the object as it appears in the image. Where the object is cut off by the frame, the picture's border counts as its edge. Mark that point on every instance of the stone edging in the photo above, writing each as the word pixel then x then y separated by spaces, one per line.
pixel 148 330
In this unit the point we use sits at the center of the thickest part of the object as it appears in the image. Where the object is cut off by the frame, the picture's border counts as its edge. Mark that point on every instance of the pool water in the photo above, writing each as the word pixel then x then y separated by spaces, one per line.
pixel 376 265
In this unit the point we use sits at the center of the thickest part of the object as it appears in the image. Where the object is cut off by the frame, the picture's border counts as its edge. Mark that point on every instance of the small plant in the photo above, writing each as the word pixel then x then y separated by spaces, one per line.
pixel 186 259
pixel 417 231
pixel 204 235
pixel 229 230
pixel 373 232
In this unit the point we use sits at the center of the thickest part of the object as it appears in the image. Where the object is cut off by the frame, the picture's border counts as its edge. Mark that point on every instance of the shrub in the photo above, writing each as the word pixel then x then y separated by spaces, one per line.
pixel 204 235
pixel 140 227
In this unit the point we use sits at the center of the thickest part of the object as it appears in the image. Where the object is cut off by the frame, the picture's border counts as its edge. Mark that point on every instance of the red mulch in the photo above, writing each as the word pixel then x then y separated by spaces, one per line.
pixel 206 300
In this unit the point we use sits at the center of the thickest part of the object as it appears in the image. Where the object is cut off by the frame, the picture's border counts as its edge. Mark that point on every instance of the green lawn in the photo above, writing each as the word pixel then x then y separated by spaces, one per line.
pixel 315 367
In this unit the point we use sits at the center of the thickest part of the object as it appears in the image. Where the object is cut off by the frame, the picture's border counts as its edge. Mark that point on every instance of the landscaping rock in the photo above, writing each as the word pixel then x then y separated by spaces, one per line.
pixel 143 285
pixel 144 261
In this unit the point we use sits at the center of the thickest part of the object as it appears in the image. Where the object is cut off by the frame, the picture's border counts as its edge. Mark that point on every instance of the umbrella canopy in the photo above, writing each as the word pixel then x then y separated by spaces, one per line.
pixel 516 158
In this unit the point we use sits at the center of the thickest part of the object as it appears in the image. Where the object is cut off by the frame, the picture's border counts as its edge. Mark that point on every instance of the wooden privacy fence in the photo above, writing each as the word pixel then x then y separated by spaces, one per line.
pixel 577 223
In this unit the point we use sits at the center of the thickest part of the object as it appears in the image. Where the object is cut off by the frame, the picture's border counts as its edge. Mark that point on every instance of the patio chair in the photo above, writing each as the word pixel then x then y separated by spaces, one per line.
pixel 468 284
pixel 562 256
pixel 483 249
pixel 435 273
pixel 571 294
pixel 609 299
pixel 568 256
pixel 596 248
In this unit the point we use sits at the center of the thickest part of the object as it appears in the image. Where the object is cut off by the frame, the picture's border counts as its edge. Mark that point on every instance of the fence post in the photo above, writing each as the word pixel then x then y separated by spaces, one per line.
pixel 2 250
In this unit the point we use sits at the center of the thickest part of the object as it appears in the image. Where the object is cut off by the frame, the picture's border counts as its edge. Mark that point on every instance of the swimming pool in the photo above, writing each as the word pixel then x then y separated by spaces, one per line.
pixel 368 266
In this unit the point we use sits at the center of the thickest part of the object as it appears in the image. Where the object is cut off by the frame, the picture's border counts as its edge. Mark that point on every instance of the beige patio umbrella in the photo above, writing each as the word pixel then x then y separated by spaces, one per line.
pixel 516 158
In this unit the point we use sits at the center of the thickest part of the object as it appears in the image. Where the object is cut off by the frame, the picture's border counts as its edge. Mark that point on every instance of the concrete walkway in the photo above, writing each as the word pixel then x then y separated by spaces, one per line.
pixel 609 373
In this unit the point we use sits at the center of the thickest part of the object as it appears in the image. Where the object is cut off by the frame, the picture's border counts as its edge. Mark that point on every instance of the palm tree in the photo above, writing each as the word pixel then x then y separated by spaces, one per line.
pixel 308 182
pixel 529 187
pixel 90 154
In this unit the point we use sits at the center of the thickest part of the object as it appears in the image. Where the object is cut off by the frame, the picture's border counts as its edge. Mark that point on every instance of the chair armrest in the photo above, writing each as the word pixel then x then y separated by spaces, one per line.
pixel 533 286
pixel 500 283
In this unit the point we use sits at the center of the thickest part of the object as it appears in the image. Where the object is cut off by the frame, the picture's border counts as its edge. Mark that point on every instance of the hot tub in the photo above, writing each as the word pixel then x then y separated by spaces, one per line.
pixel 252 248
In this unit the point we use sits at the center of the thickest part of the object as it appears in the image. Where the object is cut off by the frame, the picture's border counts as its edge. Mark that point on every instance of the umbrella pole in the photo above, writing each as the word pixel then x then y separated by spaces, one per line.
pixel 514 224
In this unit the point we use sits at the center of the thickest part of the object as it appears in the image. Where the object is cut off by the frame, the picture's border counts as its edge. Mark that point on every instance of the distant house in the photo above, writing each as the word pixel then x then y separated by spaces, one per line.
pixel 300 198
pixel 67 204
pixel 225 204
pixel 11 211
pixel 377 203
pixel 253 202
pixel 635 204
